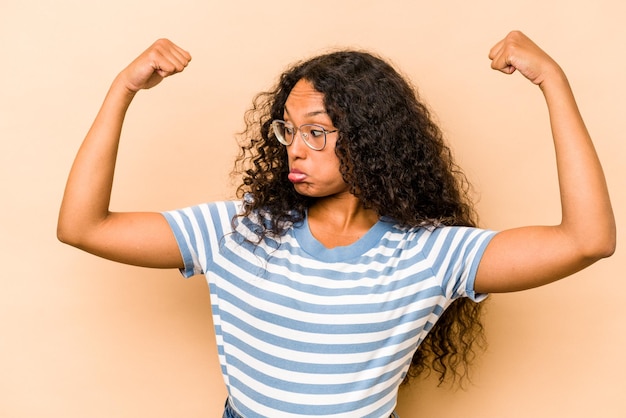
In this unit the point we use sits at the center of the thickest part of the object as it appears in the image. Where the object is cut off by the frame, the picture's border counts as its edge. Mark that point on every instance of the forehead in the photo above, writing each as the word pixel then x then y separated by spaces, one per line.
pixel 304 98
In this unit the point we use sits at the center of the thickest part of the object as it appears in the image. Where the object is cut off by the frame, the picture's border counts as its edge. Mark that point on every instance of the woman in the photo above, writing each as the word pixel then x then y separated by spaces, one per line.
pixel 353 252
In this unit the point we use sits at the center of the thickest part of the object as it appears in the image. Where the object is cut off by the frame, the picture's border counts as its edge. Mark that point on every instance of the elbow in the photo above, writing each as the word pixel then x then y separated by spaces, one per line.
pixel 610 242
pixel 591 244
pixel 601 247
pixel 64 227
pixel 608 249
pixel 63 235
pixel 67 233
pixel 601 252
pixel 71 228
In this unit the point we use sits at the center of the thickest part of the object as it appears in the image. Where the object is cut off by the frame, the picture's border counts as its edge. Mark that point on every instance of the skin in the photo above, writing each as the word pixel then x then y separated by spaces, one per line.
pixel 515 259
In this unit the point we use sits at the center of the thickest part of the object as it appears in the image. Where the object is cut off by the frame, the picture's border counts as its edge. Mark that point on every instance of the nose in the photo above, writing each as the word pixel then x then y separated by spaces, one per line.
pixel 297 148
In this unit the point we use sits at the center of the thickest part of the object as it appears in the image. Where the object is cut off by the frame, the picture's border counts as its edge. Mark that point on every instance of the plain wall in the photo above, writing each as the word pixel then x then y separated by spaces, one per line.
pixel 84 337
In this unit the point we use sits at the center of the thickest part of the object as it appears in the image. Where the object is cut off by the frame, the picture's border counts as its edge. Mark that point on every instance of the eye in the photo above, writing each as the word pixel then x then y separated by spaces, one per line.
pixel 289 130
pixel 317 133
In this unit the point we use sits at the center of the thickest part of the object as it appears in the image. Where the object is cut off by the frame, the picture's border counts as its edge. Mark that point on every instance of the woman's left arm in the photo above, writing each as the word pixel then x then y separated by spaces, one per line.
pixel 527 257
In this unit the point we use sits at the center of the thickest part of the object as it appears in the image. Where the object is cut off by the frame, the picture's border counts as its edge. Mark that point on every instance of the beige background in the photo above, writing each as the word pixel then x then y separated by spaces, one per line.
pixel 83 337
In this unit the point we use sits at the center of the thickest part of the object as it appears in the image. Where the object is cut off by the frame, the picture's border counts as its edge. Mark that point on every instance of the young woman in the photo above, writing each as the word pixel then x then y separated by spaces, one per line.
pixel 353 259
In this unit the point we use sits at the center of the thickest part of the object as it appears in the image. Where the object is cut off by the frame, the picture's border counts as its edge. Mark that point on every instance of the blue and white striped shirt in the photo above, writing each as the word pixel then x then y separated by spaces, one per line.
pixel 307 331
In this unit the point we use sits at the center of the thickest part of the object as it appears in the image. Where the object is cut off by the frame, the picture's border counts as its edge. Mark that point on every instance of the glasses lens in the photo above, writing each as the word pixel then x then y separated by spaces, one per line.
pixel 314 136
pixel 279 130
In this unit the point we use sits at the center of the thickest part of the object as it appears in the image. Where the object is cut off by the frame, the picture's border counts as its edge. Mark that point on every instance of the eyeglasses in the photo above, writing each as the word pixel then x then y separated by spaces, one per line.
pixel 314 136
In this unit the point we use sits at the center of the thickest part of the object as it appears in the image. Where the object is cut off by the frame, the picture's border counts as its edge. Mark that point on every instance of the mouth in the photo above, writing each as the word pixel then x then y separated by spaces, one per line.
pixel 296 176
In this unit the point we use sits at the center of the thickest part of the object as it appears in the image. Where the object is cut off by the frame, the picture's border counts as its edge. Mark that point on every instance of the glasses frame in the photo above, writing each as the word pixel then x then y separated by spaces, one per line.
pixel 286 143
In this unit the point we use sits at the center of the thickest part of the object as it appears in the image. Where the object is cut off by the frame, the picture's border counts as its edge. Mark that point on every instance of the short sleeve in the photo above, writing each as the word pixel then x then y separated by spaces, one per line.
pixel 462 249
pixel 198 231
pixel 185 232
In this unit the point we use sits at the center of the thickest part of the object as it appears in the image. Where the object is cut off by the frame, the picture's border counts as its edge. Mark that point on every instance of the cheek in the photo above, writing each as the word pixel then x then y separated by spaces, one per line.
pixel 331 164
pixel 332 174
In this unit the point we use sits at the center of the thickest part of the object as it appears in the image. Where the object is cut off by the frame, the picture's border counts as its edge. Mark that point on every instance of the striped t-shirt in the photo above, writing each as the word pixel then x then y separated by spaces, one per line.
pixel 307 331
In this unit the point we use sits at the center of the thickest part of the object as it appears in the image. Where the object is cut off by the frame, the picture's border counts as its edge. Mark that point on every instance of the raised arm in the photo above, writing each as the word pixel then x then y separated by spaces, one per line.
pixel 527 257
pixel 85 220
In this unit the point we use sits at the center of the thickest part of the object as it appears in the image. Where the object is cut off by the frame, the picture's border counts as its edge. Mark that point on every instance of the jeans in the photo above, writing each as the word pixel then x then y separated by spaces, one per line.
pixel 229 412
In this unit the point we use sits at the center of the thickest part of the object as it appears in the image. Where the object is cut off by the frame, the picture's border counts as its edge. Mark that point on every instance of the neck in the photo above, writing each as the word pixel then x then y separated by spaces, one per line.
pixel 340 220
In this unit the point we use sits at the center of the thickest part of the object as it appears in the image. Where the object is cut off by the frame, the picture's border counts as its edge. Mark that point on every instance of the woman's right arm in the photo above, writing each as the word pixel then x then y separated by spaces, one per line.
pixel 138 238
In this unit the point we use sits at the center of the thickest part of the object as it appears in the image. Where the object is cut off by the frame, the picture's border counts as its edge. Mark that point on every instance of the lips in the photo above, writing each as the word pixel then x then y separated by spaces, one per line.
pixel 296 176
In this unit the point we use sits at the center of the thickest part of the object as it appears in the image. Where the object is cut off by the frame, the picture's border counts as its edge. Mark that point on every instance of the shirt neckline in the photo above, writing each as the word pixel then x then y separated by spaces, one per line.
pixel 313 247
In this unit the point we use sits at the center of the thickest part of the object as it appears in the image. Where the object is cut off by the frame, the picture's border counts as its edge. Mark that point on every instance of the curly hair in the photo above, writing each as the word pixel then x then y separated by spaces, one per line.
pixel 395 161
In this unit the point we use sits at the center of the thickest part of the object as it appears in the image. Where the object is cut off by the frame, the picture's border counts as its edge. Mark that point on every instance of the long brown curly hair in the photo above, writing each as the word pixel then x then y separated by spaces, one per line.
pixel 395 161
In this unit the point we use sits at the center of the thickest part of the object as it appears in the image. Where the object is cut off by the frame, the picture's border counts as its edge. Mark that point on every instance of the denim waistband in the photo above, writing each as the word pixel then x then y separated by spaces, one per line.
pixel 229 412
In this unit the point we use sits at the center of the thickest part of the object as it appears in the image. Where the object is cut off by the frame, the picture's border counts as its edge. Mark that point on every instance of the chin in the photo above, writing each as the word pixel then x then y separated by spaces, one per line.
pixel 304 190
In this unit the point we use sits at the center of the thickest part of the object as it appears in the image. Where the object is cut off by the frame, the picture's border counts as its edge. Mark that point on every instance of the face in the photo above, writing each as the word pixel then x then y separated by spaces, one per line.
pixel 313 173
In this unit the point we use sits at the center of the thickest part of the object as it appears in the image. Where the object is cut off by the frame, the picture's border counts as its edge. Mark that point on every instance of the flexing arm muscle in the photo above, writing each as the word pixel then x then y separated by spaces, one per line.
pixel 85 220
pixel 527 257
